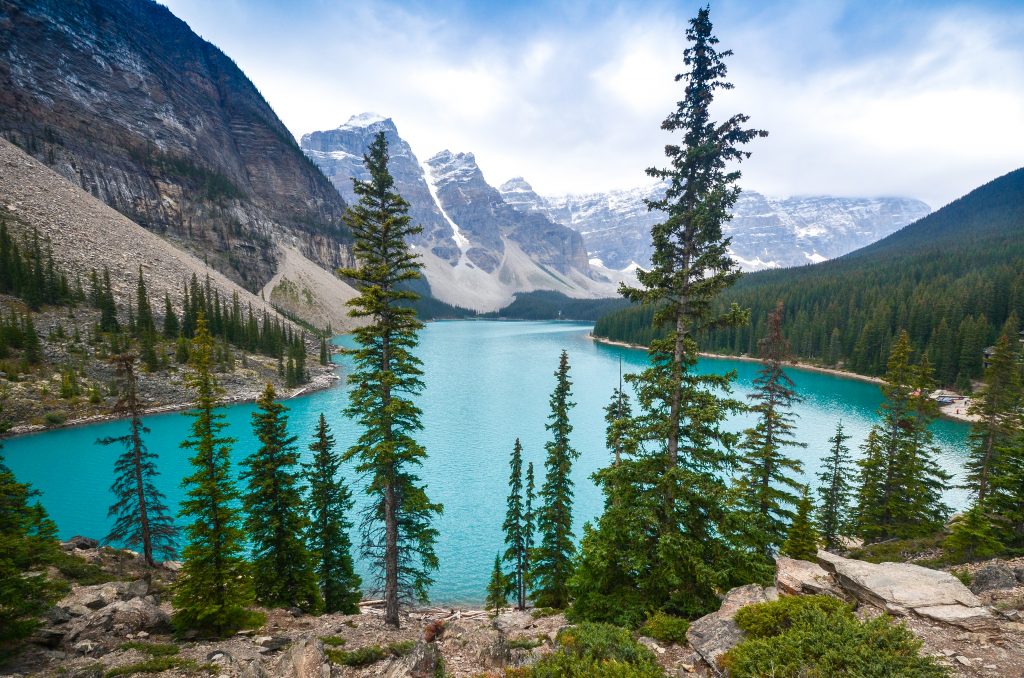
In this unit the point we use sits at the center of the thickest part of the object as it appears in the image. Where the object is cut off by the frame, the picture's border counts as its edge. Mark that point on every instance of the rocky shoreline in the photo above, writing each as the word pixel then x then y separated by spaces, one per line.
pixel 955 411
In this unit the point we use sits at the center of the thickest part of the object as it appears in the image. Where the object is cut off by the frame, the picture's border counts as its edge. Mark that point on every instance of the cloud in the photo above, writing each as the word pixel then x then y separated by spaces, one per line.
pixel 923 100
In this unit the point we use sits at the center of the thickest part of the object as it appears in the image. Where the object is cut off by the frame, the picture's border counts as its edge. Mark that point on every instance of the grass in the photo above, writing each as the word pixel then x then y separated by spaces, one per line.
pixel 905 550
pixel 333 641
pixel 77 570
pixel 152 649
pixel 158 665
pixel 370 654
pixel 524 643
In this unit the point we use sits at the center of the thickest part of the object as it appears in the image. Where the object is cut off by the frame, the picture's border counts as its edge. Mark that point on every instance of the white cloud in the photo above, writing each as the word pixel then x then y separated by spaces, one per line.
pixel 920 102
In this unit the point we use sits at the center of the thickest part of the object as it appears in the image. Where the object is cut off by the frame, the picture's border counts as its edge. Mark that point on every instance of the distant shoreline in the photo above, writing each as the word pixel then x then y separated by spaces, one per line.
pixel 948 411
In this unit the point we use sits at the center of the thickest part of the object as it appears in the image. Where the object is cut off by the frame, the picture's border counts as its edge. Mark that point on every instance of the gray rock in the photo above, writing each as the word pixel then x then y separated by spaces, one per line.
pixel 80 543
pixel 137 589
pixel 422 661
pixel 993 577
pixel 274 643
pixel 713 635
pixel 1018 573
pixel 119 618
pixel 171 565
pixel 897 587
pixel 801 577
pixel 47 637
pixel 304 659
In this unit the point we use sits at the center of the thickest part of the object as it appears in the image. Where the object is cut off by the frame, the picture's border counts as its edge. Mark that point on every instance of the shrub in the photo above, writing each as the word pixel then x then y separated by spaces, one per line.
pixel 539 612
pixel 332 641
pixel 665 628
pixel 370 654
pixel 55 418
pixel 594 650
pixel 524 643
pixel 816 636
pixel 154 665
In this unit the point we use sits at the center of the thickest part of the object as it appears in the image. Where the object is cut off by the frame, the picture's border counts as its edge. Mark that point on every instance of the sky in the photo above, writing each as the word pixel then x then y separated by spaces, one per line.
pixel 918 98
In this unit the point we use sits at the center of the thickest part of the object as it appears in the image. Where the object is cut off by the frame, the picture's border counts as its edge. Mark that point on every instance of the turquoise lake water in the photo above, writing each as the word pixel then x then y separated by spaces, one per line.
pixel 486 384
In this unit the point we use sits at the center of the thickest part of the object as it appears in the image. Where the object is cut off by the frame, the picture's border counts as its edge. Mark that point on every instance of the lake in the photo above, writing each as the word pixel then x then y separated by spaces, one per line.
pixel 487 382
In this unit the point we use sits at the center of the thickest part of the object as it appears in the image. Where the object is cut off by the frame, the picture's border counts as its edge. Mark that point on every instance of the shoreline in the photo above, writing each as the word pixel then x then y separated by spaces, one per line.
pixel 951 411
pixel 320 382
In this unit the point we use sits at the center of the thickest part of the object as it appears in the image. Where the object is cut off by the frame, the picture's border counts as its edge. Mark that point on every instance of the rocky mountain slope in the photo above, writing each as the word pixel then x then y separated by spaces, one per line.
pixel 85 234
pixel 766 232
pixel 123 99
pixel 476 249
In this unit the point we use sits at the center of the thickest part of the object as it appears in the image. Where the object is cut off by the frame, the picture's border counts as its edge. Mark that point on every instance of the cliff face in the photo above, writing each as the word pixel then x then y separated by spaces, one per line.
pixel 122 98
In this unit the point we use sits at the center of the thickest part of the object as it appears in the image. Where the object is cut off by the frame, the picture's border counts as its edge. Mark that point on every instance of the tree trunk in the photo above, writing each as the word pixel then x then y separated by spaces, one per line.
pixel 390 557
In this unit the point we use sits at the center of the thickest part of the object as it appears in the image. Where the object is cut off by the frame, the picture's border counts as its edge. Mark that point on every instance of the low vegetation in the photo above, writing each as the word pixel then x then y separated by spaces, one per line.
pixel 594 650
pixel 809 636
pixel 665 628
pixel 370 654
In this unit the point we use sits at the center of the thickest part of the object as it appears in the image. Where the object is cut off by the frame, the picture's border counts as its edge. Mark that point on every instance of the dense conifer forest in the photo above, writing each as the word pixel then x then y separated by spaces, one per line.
pixel 953 280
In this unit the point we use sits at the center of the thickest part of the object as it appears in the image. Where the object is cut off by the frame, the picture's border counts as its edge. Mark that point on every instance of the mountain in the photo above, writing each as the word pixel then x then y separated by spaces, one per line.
pixel 478 251
pixel 766 232
pixel 953 279
pixel 123 99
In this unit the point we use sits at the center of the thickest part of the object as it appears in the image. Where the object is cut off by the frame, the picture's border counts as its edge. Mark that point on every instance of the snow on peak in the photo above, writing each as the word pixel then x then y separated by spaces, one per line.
pixel 516 185
pixel 364 120
pixel 447 166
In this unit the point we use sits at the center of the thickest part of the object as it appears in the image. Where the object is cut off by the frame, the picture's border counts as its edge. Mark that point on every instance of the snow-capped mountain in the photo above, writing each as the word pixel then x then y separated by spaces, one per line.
pixel 766 232
pixel 477 250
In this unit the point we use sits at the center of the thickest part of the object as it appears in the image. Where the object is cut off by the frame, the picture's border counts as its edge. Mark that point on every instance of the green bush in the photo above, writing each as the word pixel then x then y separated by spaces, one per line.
pixel 524 643
pixel 55 418
pixel 594 650
pixel 333 641
pixel 665 628
pixel 540 612
pixel 820 637
pixel 370 654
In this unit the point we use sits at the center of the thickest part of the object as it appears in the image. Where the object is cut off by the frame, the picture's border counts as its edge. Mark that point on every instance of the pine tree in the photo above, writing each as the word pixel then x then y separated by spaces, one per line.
pixel 515 528
pixel 766 486
pixel 325 356
pixel 329 502
pixel 33 349
pixel 497 588
pixel 1005 502
pixel 618 417
pixel 398 539
pixel 141 516
pixel 836 477
pixel 144 322
pixel 214 586
pixel 171 325
pixel 27 545
pixel 997 407
pixel 106 305
pixel 275 521
pixel 552 564
pixel 900 484
pixel 802 539
pixel 529 528
pixel 673 496
pixel 972 537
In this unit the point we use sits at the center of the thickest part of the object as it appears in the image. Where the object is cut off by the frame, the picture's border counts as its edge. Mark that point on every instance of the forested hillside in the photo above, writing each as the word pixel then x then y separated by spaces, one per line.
pixel 953 280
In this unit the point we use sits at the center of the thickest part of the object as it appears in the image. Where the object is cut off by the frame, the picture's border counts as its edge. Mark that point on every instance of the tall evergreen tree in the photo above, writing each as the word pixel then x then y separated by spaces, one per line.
pixel 900 484
pixel 683 556
pixel 997 408
pixel 141 516
pixel 836 476
pixel 972 536
pixel 802 539
pixel 766 487
pixel 552 564
pixel 398 539
pixel 329 502
pixel 275 521
pixel 27 545
pixel 214 586
pixel 171 324
pixel 144 322
pixel 515 528
pixel 529 527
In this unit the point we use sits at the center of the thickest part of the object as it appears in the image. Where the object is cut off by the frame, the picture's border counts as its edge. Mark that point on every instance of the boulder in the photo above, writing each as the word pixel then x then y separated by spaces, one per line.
pixel 305 658
pixel 93 597
pixel 422 661
pixel 801 577
pixel 1018 573
pixel 992 577
pixel 897 587
pixel 79 543
pixel 713 635
pixel 273 643
pixel 119 618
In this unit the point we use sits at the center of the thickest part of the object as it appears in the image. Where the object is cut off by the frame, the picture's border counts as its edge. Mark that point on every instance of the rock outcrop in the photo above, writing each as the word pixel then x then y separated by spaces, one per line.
pixel 125 100
pixel 713 635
